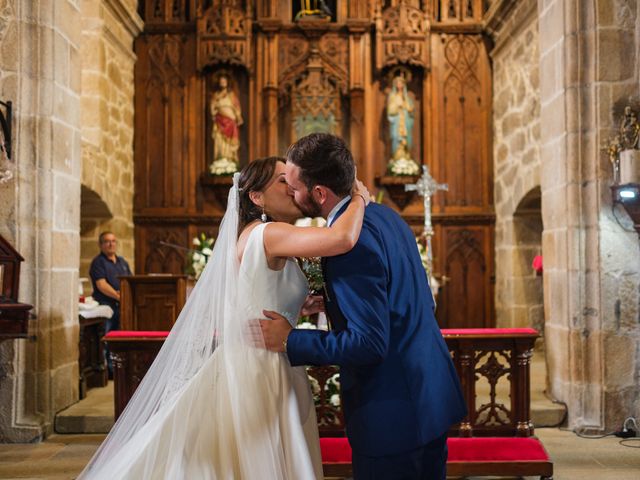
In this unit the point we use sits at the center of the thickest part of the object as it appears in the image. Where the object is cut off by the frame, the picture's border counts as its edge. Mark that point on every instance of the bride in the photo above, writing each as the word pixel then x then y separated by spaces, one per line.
pixel 214 405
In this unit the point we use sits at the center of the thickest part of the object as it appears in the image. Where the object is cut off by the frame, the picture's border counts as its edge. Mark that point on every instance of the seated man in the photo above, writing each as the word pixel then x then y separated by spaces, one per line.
pixel 104 272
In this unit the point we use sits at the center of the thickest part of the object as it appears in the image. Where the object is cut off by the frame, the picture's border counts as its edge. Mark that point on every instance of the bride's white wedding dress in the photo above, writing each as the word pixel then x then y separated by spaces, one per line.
pixel 253 421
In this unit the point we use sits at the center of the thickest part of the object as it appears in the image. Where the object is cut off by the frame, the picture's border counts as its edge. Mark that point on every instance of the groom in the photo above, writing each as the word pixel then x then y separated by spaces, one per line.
pixel 400 390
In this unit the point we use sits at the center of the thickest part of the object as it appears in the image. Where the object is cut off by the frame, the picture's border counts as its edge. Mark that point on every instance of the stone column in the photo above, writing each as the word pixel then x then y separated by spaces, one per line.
pixel 40 55
pixel 592 265
pixel 41 73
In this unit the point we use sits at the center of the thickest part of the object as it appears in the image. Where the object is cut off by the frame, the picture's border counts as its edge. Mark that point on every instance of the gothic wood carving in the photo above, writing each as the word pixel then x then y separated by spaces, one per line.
pixel 313 87
pixel 329 55
pixel 330 70
pixel 224 36
pixel 315 104
pixel 402 36
pixel 463 100
pixel 162 122
pixel 459 11
pixel 464 257
pixel 166 12
pixel 157 257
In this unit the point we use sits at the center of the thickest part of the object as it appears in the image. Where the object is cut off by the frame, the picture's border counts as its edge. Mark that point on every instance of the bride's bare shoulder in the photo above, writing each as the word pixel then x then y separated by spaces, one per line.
pixel 244 237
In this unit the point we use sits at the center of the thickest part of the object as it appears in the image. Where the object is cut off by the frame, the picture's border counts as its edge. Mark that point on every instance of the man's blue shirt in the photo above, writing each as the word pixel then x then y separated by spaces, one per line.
pixel 102 267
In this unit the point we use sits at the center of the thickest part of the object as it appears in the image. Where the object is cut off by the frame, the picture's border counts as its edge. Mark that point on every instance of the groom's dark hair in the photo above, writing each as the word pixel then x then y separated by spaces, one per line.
pixel 324 159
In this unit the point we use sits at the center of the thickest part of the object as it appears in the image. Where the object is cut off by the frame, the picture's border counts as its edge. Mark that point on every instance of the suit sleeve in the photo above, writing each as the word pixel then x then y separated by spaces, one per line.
pixel 361 287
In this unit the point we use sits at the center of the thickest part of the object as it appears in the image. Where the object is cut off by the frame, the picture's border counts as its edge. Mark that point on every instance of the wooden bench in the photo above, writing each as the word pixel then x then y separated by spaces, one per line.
pixel 494 439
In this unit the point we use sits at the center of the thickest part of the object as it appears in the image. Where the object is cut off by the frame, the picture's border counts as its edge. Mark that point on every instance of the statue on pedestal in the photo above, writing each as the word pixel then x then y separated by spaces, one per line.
pixel 227 118
pixel 313 9
pixel 400 111
pixel 629 129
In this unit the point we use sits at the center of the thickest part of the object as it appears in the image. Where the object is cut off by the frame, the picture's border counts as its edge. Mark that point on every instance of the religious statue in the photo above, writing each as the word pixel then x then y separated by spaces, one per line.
pixel 400 107
pixel 227 118
pixel 629 129
pixel 313 8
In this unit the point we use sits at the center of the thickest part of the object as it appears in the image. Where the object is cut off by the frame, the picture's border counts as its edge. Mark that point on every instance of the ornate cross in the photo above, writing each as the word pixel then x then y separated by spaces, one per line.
pixel 426 187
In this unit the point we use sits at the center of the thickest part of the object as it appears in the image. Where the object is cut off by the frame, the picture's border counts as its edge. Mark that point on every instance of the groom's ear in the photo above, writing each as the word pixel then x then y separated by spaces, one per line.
pixel 320 194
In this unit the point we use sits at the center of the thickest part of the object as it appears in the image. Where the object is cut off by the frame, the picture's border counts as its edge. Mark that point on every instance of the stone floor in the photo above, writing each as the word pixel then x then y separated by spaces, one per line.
pixel 64 456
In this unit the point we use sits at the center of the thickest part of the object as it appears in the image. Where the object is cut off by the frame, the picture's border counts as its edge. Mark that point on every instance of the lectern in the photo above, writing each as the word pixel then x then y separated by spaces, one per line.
pixel 151 302
pixel 14 316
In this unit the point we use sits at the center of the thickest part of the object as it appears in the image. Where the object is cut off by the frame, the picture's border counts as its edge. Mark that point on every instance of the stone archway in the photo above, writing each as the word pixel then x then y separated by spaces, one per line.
pixel 519 299
pixel 527 284
pixel 94 214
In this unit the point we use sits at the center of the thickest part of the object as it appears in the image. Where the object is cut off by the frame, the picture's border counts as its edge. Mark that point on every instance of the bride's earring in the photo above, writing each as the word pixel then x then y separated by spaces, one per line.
pixel 263 217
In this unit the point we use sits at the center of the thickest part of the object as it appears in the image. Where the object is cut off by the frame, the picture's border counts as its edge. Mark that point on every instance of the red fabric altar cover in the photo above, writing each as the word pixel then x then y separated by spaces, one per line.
pixel 135 334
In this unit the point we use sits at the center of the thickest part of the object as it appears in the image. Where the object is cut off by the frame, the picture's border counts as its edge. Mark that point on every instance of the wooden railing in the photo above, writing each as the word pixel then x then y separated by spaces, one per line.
pixel 493 365
pixel 494 369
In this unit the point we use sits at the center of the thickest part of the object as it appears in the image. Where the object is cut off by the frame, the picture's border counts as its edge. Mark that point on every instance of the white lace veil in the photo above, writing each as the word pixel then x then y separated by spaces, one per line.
pixel 210 319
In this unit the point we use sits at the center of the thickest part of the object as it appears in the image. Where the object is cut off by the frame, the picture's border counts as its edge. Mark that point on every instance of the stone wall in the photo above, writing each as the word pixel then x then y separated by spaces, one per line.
pixel 110 26
pixel 588 53
pixel 516 153
pixel 40 72
pixel 40 210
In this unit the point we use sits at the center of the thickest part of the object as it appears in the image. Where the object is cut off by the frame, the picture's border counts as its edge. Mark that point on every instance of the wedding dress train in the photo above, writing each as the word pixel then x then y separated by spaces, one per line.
pixel 245 414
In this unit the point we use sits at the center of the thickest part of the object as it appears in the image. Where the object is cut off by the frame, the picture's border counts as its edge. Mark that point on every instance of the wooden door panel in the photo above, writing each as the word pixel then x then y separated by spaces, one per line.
pixel 465 258
pixel 462 104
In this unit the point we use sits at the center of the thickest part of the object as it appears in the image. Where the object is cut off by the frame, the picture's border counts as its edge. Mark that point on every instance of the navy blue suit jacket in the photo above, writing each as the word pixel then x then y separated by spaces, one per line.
pixel 399 387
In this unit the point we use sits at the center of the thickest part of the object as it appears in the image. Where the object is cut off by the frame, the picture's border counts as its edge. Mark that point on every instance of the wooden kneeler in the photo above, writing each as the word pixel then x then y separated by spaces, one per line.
pixel 498 456
pixel 336 457
pixel 480 456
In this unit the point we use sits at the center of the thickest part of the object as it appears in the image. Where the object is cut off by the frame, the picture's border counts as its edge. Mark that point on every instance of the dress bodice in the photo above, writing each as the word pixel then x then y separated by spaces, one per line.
pixel 262 288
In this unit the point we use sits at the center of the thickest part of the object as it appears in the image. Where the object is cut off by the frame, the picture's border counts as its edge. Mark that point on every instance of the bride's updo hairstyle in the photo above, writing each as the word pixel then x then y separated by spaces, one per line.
pixel 255 177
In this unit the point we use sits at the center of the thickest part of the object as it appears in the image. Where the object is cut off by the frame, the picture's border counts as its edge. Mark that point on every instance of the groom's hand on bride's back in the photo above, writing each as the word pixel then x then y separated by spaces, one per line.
pixel 275 331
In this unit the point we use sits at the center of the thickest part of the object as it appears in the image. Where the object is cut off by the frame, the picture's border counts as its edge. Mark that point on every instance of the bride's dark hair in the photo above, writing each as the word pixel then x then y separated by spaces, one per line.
pixel 254 178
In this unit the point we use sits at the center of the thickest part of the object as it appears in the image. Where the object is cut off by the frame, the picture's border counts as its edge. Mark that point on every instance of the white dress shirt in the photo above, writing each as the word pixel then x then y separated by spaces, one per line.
pixel 337 208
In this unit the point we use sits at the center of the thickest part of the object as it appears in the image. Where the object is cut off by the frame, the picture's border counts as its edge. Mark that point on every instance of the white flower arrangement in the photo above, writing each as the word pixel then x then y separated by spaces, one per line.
pixel 422 250
pixel 199 255
pixel 333 385
pixel 331 388
pixel 403 167
pixel 223 166
pixel 311 222
pixel 433 281
pixel 307 326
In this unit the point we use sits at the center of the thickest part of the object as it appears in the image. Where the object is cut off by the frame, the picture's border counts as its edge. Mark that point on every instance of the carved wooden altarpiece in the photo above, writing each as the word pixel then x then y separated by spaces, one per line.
pixel 299 73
